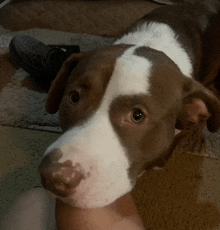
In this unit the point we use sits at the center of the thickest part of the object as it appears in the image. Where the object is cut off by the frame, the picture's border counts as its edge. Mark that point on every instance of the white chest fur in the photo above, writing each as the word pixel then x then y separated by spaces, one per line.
pixel 161 37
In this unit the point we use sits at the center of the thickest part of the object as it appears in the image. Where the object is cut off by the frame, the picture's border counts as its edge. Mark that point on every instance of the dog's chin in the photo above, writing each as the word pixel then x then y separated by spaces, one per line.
pixel 86 202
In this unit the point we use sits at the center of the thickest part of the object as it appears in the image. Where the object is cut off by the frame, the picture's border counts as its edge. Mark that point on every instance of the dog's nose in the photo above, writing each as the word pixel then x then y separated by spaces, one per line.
pixel 60 178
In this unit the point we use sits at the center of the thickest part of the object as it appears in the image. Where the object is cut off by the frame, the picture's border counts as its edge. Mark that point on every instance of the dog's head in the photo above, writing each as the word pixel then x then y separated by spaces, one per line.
pixel 119 108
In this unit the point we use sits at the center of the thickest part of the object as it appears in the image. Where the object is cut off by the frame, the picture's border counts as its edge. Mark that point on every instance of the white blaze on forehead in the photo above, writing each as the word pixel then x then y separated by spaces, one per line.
pixel 130 76
pixel 160 36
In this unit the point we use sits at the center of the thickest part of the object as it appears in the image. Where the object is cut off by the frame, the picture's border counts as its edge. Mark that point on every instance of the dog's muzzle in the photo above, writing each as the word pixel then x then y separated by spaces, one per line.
pixel 60 178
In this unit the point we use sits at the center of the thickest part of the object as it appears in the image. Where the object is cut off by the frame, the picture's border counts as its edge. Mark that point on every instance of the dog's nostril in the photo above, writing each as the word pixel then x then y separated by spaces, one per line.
pixel 60 178
pixel 50 159
pixel 55 155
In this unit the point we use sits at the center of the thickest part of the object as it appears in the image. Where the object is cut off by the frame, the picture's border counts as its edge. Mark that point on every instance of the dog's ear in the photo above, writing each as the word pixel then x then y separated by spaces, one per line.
pixel 198 105
pixel 57 88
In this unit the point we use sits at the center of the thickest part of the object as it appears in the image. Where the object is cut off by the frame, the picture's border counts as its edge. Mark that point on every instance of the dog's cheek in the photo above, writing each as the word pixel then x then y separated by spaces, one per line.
pixel 67 114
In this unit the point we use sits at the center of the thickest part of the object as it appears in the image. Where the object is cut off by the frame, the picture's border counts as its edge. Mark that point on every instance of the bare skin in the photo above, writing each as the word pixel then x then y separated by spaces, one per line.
pixel 121 214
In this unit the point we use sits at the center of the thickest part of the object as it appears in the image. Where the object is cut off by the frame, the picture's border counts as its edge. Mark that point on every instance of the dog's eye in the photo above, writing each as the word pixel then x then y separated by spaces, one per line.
pixel 137 115
pixel 74 97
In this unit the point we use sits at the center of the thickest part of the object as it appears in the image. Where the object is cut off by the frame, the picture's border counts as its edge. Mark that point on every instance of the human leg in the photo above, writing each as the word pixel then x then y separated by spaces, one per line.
pixel 34 210
pixel 120 215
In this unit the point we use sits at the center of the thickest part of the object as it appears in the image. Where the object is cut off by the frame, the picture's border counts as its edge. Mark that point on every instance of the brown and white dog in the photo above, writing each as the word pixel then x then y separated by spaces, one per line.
pixel 120 106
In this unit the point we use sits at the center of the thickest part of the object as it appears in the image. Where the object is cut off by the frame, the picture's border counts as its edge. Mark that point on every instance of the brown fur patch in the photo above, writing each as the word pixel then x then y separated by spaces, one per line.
pixel 89 79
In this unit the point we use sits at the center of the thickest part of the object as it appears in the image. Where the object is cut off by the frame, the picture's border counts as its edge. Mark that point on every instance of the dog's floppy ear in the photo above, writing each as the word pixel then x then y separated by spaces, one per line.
pixel 198 105
pixel 57 88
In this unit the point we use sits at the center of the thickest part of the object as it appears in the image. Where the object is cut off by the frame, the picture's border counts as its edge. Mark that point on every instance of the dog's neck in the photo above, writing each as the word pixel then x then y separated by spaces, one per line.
pixel 161 37
pixel 180 38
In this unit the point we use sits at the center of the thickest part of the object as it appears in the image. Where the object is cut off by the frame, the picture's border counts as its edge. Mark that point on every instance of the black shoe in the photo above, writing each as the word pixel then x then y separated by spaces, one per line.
pixel 39 60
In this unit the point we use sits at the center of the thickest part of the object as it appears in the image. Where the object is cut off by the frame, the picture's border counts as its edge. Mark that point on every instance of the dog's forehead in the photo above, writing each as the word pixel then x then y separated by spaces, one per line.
pixel 123 70
pixel 116 68
pixel 142 71
pixel 97 65
pixel 130 75
pixel 158 58
pixel 109 54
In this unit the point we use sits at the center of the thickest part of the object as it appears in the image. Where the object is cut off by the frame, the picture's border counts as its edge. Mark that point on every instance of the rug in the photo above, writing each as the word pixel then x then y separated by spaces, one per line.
pixel 24 107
